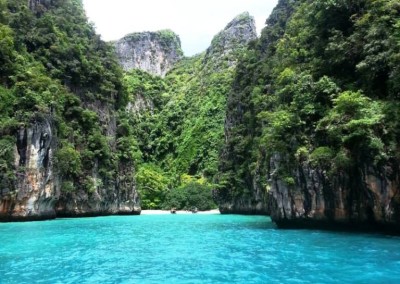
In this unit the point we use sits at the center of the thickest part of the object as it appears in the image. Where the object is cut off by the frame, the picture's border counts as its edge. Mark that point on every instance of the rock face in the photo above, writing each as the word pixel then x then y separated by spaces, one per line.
pixel 242 192
pixel 36 186
pixel 366 198
pixel 61 154
pixel 296 193
pixel 140 104
pixel 236 35
pixel 255 203
pixel 223 53
pixel 36 193
pixel 252 199
pixel 108 196
pixel 153 52
pixel 105 200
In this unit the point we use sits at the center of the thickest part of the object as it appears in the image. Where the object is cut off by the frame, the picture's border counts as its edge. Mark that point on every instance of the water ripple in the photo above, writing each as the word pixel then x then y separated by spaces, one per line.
pixel 190 249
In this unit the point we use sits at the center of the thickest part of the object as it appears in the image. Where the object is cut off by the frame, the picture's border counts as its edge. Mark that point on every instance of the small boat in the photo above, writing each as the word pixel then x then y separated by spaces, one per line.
pixel 194 209
pixel 173 211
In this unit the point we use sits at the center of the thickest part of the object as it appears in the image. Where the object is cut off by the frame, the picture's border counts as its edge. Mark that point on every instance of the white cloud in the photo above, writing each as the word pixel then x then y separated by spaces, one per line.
pixel 196 22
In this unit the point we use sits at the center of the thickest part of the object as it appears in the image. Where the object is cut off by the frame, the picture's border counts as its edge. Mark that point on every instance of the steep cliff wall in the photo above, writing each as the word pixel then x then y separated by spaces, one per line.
pixel 37 192
pixel 37 186
pixel 65 150
pixel 312 135
pixel 229 45
pixel 242 184
pixel 39 5
pixel 102 194
pixel 153 52
pixel 230 42
pixel 364 198
pixel 333 174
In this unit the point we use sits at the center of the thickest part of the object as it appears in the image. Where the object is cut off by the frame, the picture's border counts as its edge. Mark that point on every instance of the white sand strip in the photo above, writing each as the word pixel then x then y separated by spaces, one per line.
pixel 180 212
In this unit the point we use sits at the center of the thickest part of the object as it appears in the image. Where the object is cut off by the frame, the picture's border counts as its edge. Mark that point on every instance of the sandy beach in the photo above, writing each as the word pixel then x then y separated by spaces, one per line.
pixel 180 212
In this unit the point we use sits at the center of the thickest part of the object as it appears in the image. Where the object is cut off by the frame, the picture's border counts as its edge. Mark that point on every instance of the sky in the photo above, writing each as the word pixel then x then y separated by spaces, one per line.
pixel 195 21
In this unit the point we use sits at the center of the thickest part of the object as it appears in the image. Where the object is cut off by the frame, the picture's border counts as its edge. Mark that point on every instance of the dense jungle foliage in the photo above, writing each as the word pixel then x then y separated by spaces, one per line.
pixel 53 66
pixel 179 124
pixel 179 130
pixel 320 87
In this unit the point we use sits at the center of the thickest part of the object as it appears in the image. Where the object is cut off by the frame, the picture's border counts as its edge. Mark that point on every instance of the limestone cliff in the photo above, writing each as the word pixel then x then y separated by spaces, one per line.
pixel 36 187
pixel 106 195
pixel 241 191
pixel 36 193
pixel 232 39
pixel 39 5
pixel 364 198
pixel 63 148
pixel 153 52
pixel 311 170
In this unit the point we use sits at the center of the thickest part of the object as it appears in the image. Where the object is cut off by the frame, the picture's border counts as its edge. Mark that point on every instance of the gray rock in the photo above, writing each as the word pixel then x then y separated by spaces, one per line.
pixel 364 198
pixel 225 49
pixel 236 35
pixel 40 6
pixel 153 52
pixel 37 186
pixel 108 196
pixel 37 192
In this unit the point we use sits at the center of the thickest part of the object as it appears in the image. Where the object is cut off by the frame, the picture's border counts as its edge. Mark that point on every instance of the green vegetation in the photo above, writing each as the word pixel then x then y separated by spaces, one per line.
pixel 55 68
pixel 179 122
pixel 179 126
pixel 190 196
pixel 320 87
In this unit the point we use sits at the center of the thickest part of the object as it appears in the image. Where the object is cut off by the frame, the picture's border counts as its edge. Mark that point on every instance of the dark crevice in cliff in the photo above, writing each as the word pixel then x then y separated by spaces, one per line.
pixel 21 146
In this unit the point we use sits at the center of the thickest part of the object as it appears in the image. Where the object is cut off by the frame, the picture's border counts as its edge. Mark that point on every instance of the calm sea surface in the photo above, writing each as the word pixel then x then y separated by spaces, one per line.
pixel 190 249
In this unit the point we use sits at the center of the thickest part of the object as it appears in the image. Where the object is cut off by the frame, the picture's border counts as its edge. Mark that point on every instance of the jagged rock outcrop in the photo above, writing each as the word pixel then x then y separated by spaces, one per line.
pixel 241 192
pixel 236 35
pixel 35 4
pixel 153 52
pixel 365 198
pixel 36 184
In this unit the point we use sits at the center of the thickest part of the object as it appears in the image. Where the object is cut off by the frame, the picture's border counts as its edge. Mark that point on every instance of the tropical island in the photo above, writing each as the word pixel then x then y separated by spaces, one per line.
pixel 266 158
pixel 301 123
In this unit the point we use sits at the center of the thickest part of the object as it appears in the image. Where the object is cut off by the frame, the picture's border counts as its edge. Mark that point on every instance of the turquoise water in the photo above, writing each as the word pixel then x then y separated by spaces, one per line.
pixel 190 249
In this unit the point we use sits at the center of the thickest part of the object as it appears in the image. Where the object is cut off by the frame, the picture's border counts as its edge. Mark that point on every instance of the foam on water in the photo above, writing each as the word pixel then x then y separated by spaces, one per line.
pixel 190 249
